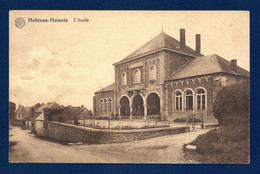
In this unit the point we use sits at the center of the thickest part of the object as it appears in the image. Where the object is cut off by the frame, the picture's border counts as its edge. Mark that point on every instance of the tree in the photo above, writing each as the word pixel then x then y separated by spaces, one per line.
pixel 12 107
pixel 36 106
pixel 230 100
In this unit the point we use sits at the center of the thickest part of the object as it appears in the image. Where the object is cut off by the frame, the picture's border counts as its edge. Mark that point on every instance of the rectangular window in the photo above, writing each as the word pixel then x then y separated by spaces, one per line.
pixel 189 103
pixel 180 103
pixel 203 102
pixel 177 103
pixel 198 102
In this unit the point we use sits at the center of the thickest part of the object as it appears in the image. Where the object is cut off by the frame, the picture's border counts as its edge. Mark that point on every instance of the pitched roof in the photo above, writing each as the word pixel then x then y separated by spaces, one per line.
pixel 51 106
pixel 206 65
pixel 23 109
pixel 161 41
pixel 107 88
pixel 73 110
pixel 70 112
pixel 27 109
pixel 40 117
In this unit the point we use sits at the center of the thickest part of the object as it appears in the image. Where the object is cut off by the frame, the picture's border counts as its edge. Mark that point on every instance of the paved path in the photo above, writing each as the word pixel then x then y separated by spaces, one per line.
pixel 166 149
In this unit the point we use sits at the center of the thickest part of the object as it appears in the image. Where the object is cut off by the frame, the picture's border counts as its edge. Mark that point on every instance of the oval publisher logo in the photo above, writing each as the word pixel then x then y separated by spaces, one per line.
pixel 19 22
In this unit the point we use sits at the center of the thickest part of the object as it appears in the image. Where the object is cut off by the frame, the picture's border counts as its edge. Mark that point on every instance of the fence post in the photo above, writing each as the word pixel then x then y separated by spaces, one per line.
pixel 202 124
pixel 93 121
pixel 148 121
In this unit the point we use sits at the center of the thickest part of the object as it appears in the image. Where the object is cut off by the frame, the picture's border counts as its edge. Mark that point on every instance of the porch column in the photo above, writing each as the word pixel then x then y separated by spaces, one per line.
pixel 131 111
pixel 145 111
pixel 166 103
pixel 119 113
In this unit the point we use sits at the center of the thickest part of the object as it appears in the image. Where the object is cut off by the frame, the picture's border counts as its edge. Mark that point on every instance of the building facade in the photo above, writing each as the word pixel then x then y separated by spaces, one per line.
pixel 166 77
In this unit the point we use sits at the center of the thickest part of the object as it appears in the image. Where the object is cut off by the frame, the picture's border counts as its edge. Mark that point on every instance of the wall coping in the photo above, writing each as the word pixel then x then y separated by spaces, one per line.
pixel 121 131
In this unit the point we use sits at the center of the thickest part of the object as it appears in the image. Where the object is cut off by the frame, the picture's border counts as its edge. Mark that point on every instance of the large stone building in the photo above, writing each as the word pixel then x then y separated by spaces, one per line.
pixel 166 77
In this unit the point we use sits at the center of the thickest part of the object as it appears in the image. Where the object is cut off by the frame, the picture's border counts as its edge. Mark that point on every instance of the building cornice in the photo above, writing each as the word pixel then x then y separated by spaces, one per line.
pixel 151 52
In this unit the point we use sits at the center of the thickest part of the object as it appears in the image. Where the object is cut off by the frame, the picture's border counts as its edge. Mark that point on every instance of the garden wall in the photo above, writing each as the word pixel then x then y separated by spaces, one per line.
pixel 71 133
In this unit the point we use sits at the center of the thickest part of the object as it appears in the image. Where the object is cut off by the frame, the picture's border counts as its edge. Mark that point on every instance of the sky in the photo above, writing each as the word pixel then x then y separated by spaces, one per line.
pixel 67 62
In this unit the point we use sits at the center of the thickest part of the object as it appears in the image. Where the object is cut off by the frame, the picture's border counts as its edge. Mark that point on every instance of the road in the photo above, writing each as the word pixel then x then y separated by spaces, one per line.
pixel 24 147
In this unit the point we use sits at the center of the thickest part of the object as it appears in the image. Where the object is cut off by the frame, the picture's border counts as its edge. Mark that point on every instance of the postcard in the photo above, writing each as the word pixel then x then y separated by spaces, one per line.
pixel 143 87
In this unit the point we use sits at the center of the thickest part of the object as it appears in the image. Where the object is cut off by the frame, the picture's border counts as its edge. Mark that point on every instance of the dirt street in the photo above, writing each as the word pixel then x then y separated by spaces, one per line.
pixel 24 147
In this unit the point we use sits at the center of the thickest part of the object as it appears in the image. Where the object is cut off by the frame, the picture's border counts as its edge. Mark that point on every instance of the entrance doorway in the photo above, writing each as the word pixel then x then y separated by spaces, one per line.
pixel 138 106
pixel 153 104
pixel 125 109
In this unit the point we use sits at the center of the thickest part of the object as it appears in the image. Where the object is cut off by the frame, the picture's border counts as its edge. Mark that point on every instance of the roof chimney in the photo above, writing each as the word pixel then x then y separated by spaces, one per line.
pixel 234 65
pixel 182 38
pixel 198 45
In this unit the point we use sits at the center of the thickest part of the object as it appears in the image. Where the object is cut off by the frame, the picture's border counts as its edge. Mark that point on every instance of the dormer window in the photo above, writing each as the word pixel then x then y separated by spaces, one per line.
pixel 137 76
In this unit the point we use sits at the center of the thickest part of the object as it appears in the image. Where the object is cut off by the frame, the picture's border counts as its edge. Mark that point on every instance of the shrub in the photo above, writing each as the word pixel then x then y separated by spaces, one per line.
pixel 232 99
pixel 184 120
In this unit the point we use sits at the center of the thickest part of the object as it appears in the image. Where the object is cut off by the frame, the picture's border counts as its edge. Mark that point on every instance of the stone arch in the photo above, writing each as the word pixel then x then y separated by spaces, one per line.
pixel 180 101
pixel 197 81
pixel 124 79
pixel 137 104
pixel 196 100
pixel 153 101
pixel 179 83
pixel 101 104
pixel 110 104
pixel 124 95
pixel 210 79
pixel 188 99
pixel 203 80
pixel 105 104
pixel 137 76
pixel 152 72
pixel 124 106
pixel 168 86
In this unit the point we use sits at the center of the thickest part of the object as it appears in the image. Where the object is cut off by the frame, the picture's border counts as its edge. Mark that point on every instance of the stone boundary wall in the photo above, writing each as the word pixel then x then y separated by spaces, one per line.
pixel 68 133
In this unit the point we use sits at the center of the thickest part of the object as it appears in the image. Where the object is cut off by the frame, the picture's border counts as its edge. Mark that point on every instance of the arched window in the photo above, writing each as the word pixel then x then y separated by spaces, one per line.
pixel 178 100
pixel 189 100
pixel 101 105
pixel 137 76
pixel 152 73
pixel 105 105
pixel 124 79
pixel 109 105
pixel 201 99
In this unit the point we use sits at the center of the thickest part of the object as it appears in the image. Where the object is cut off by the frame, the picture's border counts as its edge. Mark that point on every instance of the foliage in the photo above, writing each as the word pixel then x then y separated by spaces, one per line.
pixel 184 120
pixel 226 144
pixel 229 143
pixel 11 110
pixel 230 99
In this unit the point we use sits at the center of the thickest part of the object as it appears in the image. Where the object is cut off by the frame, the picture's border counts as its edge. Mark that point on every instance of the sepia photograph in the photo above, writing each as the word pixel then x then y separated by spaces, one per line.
pixel 132 87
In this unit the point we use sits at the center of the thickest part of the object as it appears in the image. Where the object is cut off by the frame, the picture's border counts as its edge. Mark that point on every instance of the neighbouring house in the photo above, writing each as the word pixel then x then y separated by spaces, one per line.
pixel 70 113
pixel 39 125
pixel 23 116
pixel 45 112
pixel 166 77
pixel 55 112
